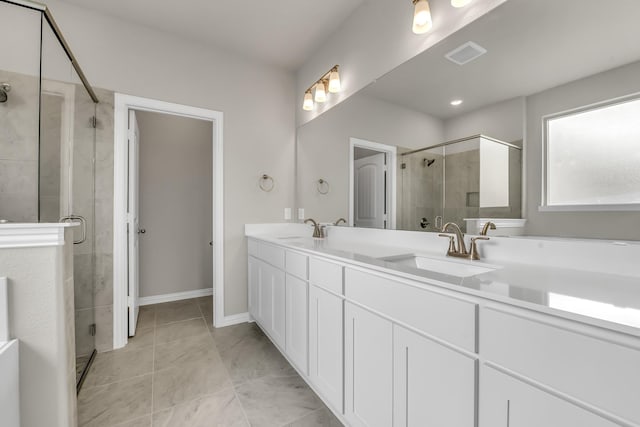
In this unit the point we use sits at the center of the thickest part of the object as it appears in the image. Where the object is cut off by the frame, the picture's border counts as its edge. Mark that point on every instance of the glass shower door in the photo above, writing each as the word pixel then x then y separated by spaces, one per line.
pixel 67 179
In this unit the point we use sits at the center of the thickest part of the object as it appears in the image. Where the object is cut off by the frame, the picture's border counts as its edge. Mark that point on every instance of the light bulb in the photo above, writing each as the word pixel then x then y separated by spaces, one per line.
pixel 321 95
pixel 421 17
pixel 307 105
pixel 460 3
pixel 334 81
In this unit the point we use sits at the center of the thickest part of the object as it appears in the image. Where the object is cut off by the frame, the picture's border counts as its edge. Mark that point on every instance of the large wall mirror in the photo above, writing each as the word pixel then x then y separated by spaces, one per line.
pixel 458 132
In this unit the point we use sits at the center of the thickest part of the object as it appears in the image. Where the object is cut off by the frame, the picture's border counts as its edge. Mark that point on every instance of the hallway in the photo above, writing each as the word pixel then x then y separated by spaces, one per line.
pixel 180 371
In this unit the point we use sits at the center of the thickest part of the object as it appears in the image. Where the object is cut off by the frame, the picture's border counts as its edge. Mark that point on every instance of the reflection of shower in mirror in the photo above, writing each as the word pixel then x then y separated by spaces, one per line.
pixel 4 89
pixel 428 162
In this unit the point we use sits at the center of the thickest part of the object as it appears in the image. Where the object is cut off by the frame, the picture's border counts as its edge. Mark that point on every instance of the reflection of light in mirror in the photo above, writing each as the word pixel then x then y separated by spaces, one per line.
pixel 456 102
pixel 624 315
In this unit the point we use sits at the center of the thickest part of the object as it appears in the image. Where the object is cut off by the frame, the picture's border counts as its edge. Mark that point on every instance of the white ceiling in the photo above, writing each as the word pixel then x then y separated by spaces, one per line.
pixel 278 32
pixel 532 45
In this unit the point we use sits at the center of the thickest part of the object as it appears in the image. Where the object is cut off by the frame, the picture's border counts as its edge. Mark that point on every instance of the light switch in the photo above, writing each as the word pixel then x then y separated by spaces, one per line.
pixel 287 213
pixel 300 213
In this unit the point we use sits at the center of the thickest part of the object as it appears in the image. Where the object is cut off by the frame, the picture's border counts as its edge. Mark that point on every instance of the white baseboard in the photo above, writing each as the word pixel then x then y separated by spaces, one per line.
pixel 234 319
pixel 177 296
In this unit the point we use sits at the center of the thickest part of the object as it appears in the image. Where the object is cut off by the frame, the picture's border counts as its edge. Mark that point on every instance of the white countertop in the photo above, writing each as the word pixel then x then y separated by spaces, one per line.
pixel 602 299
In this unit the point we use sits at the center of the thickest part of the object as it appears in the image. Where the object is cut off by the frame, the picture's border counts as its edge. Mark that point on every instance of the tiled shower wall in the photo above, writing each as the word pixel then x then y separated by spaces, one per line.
pixel 19 149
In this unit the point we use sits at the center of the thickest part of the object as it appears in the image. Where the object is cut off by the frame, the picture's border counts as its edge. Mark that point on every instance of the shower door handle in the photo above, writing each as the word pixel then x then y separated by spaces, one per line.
pixel 83 224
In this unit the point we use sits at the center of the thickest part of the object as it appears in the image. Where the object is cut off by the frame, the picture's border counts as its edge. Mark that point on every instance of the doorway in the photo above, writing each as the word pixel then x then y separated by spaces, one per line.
pixel 167 207
pixel 372 184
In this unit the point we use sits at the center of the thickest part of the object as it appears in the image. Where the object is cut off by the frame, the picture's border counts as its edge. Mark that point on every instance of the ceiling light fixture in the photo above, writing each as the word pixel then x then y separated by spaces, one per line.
pixel 460 3
pixel 456 102
pixel 329 81
pixel 422 21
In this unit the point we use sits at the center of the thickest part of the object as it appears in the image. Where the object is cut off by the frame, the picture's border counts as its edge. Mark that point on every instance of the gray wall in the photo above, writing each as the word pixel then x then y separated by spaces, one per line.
pixel 502 121
pixel 323 148
pixel 258 102
pixel 176 193
pixel 601 87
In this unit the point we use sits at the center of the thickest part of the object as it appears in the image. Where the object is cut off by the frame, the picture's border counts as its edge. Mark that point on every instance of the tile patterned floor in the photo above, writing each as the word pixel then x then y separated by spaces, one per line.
pixel 179 371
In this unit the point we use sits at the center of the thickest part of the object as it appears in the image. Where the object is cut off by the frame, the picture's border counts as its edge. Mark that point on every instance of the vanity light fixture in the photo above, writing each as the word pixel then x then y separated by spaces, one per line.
pixel 307 105
pixel 456 102
pixel 460 3
pixel 330 81
pixel 334 80
pixel 321 95
pixel 422 21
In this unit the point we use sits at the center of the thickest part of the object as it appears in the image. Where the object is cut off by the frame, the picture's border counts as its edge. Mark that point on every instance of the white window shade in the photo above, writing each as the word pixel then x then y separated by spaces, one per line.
pixel 593 156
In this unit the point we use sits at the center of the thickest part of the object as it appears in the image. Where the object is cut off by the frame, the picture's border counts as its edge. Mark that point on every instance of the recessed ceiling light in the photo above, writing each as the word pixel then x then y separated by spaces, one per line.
pixel 456 102
pixel 460 3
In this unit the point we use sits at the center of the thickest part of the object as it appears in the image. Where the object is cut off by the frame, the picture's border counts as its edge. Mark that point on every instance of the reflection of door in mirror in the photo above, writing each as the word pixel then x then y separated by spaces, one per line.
pixel 372 197
pixel 369 186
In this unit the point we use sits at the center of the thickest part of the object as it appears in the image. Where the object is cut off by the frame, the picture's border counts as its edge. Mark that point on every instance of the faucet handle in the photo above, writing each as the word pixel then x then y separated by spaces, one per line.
pixel 473 254
pixel 452 244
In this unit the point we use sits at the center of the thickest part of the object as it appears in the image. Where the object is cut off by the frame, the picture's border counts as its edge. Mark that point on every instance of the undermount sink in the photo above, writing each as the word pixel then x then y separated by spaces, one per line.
pixel 452 268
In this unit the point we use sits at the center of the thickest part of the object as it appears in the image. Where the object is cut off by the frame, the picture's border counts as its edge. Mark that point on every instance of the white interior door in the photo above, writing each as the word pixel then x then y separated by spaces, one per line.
pixel 370 193
pixel 133 222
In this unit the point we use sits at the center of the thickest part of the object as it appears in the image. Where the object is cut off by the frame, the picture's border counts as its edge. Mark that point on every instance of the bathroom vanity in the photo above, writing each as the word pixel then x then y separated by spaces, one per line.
pixel 390 332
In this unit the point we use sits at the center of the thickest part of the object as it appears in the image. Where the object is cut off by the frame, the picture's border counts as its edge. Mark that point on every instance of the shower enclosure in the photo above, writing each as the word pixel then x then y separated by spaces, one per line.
pixel 47 146
pixel 473 177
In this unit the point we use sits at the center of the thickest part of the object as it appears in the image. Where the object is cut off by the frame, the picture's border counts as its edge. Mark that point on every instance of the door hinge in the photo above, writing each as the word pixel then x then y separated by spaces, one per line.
pixel 92 329
pixel 93 122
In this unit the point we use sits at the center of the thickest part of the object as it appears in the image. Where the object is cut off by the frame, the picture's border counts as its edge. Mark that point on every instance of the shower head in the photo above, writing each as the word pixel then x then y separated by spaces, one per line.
pixel 4 89
pixel 428 162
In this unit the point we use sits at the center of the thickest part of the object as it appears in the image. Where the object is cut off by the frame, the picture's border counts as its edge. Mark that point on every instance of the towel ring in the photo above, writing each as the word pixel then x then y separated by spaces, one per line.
pixel 264 183
pixel 323 186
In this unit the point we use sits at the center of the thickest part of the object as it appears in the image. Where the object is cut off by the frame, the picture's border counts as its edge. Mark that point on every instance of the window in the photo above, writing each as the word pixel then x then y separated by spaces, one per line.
pixel 593 157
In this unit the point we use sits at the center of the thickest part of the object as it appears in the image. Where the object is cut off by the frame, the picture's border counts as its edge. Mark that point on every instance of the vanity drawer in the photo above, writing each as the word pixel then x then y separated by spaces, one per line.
pixel 296 265
pixel 271 254
pixel 443 317
pixel 325 274
pixel 252 247
pixel 566 356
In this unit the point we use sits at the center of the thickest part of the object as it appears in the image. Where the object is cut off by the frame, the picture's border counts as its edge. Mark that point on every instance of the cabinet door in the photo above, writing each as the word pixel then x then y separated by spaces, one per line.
pixel 278 324
pixel 296 321
pixel 325 345
pixel 254 283
pixel 368 368
pixel 433 385
pixel 265 296
pixel 507 402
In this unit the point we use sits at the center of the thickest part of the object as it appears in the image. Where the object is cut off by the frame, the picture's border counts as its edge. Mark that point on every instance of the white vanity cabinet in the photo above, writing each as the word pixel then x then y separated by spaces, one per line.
pixel 296 309
pixel 326 329
pixel 507 402
pixel 432 385
pixel 387 351
pixel 368 368
pixel 395 376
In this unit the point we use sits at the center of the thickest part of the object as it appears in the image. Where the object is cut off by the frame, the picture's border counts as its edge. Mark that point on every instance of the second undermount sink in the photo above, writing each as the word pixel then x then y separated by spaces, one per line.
pixel 457 268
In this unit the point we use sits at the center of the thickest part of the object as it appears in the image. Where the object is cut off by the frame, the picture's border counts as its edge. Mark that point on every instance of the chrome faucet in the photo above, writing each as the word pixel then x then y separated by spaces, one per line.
pixel 318 230
pixel 487 226
pixel 457 248
pixel 340 220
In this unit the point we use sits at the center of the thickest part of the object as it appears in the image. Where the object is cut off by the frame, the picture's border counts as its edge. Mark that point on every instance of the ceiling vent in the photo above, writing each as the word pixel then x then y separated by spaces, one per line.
pixel 466 53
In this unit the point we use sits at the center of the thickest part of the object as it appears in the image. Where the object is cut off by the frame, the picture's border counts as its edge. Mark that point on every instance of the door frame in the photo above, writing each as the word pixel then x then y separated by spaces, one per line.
pixel 392 153
pixel 122 104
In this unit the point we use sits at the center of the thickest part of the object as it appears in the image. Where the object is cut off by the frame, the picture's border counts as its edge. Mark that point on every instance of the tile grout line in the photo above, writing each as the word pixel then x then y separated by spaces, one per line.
pixel 224 365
